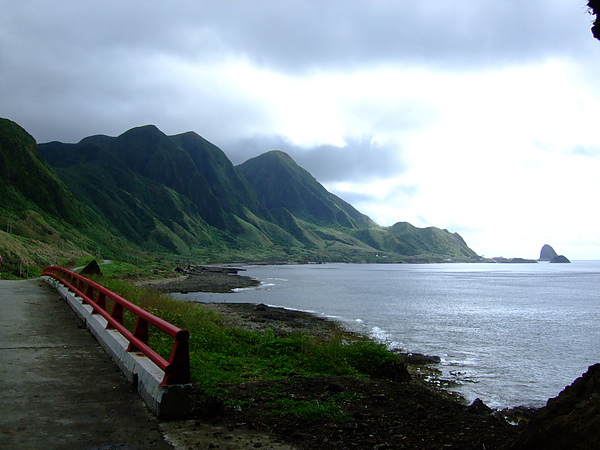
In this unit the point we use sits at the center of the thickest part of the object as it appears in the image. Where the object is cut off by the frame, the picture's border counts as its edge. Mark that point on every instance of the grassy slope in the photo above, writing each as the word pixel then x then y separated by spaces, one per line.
pixel 222 355
pixel 141 207
pixel 41 222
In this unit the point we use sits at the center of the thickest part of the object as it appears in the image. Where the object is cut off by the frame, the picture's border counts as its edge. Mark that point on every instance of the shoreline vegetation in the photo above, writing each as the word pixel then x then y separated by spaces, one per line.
pixel 296 380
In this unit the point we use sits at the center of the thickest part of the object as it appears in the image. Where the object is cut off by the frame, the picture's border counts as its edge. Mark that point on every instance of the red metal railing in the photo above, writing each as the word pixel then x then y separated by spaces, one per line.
pixel 177 369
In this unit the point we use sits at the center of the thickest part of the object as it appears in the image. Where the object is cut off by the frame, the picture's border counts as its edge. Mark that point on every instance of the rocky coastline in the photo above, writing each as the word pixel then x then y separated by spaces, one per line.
pixel 201 278
pixel 386 413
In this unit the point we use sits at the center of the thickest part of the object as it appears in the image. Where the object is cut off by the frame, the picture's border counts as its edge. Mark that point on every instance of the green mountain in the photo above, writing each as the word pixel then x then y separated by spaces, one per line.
pixel 420 244
pixel 294 196
pixel 285 188
pixel 181 195
pixel 166 193
pixel 40 219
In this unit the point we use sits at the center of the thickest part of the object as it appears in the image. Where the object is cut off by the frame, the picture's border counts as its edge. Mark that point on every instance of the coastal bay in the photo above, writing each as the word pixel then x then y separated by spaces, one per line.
pixel 434 418
pixel 510 334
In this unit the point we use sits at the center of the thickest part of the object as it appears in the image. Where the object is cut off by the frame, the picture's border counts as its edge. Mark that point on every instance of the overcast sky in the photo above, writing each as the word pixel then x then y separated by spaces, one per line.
pixel 481 117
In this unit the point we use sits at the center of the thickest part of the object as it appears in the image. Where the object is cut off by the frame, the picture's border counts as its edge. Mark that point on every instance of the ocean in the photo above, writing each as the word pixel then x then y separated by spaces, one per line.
pixel 509 334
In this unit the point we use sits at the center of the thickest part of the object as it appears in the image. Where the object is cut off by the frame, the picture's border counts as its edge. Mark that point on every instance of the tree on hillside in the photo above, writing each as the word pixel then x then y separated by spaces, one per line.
pixel 594 6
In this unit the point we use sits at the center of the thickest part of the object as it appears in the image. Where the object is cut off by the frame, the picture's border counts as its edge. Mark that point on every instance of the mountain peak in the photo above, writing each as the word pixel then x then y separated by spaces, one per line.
pixel 281 184
pixel 148 131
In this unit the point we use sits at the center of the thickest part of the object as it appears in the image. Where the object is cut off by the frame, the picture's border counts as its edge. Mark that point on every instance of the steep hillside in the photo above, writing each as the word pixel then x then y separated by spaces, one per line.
pixel 179 194
pixel 302 206
pixel 144 211
pixel 182 195
pixel 26 181
pixel 40 220
pixel 284 187
pixel 429 243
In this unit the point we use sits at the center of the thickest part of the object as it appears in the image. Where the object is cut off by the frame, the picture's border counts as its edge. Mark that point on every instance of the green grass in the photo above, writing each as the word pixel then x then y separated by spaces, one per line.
pixel 222 356
pixel 309 410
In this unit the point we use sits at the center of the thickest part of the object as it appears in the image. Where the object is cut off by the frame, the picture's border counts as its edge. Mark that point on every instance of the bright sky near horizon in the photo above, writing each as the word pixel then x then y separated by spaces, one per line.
pixel 480 117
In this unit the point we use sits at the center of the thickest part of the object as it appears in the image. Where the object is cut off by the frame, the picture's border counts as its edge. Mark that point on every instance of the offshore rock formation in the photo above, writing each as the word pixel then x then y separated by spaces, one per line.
pixel 547 253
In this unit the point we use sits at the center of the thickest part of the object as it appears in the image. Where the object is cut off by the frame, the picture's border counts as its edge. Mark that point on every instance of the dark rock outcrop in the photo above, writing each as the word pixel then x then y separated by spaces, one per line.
pixel 91 269
pixel 421 359
pixel 547 253
pixel 560 259
pixel 571 420
pixel 478 407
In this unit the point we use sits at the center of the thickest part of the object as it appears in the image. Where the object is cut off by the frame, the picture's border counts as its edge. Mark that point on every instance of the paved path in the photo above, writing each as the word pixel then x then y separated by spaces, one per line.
pixel 58 389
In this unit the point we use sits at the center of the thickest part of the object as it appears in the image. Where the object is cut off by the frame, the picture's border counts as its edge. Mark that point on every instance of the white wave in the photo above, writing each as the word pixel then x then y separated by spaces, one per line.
pixel 243 289
pixel 382 336
pixel 310 311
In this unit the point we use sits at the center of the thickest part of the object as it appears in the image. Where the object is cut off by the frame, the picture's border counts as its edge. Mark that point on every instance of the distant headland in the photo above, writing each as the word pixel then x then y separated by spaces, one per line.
pixel 547 254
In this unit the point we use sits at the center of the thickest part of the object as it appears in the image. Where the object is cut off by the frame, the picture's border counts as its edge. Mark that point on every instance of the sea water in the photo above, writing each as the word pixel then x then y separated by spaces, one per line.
pixel 510 334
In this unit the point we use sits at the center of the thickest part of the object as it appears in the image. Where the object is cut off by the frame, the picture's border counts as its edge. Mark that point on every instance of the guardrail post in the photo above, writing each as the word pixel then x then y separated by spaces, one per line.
pixel 140 331
pixel 117 314
pixel 89 292
pixel 100 301
pixel 179 361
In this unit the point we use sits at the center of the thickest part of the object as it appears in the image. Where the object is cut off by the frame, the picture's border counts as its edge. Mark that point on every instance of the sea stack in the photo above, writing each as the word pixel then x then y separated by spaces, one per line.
pixel 560 259
pixel 547 253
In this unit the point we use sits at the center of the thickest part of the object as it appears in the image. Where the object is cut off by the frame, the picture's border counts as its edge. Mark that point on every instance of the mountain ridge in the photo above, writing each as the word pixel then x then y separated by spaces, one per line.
pixel 280 183
pixel 40 218
pixel 182 195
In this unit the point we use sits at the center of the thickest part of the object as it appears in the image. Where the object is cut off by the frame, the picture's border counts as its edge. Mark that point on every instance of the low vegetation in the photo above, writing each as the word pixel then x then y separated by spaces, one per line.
pixel 222 356
pixel 317 390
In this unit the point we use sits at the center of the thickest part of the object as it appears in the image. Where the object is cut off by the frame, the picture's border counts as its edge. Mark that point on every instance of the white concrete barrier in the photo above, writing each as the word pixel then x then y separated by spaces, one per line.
pixel 167 402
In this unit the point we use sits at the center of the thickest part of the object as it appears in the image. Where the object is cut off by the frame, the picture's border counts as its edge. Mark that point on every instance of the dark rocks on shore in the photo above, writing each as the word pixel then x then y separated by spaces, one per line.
pixel 518 415
pixel 571 420
pixel 420 359
pixel 202 270
pixel 197 278
pixel 478 407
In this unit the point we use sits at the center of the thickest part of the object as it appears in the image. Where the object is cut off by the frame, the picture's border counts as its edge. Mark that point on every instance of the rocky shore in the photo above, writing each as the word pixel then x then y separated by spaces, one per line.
pixel 199 278
pixel 386 414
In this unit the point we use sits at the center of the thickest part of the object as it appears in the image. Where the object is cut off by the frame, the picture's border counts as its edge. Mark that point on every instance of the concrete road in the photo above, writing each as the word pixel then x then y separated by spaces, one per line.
pixel 58 389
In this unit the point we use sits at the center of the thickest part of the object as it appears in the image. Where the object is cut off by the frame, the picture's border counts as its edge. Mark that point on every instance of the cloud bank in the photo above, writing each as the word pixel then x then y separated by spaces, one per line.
pixel 478 117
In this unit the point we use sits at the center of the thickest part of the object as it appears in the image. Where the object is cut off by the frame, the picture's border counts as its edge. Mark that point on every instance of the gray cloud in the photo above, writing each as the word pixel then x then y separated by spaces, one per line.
pixel 72 68
pixel 75 68
pixel 299 35
pixel 359 160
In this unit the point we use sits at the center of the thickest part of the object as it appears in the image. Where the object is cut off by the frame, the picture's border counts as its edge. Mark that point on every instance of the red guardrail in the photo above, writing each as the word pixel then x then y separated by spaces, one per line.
pixel 177 369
